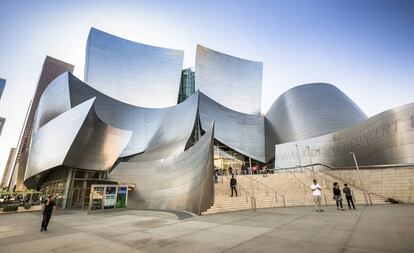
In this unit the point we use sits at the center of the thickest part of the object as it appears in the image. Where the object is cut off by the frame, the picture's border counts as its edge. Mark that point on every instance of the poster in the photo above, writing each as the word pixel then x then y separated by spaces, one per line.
pixel 121 197
pixel 110 197
pixel 97 197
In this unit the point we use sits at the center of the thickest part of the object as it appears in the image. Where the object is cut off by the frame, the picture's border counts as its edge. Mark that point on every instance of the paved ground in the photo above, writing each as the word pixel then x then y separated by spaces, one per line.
pixel 388 228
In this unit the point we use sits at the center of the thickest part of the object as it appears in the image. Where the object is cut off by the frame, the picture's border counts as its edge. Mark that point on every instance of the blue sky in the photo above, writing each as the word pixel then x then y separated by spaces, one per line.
pixel 365 48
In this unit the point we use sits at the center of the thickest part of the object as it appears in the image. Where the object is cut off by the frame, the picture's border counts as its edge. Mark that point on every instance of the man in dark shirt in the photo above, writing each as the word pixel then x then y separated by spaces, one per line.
pixel 50 206
pixel 348 196
pixel 233 185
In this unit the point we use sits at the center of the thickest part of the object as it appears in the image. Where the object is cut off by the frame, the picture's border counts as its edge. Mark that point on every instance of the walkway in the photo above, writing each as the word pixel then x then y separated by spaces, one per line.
pixel 387 228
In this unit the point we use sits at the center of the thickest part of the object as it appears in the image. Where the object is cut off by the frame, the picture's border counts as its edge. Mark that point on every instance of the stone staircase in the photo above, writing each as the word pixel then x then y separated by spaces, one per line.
pixel 283 189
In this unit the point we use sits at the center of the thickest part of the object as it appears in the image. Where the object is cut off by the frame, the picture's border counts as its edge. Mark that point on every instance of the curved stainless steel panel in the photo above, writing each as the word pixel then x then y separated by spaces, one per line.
pixel 387 138
pixel 76 138
pixel 54 101
pixel 131 72
pixel 232 82
pixel 308 111
pixel 151 128
pixel 178 182
pixel 241 132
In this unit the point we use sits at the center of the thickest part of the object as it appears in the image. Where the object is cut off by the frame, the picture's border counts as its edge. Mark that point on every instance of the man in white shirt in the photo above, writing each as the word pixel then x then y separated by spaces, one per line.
pixel 316 192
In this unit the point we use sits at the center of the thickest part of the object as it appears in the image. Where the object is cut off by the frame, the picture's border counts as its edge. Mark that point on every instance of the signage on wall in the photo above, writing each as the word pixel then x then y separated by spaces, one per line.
pixel 97 198
pixel 105 197
pixel 121 197
pixel 109 197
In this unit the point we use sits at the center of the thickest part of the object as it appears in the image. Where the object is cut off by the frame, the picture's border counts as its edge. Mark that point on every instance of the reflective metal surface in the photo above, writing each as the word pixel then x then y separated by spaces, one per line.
pixel 131 72
pixel 150 127
pixel 76 138
pixel 241 132
pixel 308 111
pixel 178 182
pixel 230 81
pixel 387 138
pixel 51 69
pixel 2 85
pixel 115 130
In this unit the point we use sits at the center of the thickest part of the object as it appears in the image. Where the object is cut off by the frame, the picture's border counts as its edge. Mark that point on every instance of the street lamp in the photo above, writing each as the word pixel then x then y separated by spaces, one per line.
pixel 310 159
pixel 359 176
pixel 297 150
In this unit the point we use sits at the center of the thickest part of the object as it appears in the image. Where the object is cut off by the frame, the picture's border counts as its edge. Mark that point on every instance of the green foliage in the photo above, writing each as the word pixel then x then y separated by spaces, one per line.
pixel 10 209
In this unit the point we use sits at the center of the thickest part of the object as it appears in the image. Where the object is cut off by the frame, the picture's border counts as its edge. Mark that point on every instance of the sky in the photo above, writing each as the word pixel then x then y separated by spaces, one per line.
pixel 365 48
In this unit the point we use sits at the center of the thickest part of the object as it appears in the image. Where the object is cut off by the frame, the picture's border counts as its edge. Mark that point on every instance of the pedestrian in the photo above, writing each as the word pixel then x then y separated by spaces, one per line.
pixel 348 196
pixel 215 177
pixel 230 171
pixel 233 185
pixel 48 209
pixel 337 196
pixel 316 192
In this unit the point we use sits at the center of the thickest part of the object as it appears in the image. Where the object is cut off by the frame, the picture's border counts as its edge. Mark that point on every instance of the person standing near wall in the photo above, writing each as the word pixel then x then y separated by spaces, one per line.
pixel 348 195
pixel 316 192
pixel 337 196
pixel 233 185
pixel 49 208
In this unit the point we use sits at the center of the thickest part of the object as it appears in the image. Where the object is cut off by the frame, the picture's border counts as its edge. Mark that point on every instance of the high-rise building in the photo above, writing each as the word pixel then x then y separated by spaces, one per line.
pixel 52 68
pixel 187 84
pixel 2 85
pixel 6 173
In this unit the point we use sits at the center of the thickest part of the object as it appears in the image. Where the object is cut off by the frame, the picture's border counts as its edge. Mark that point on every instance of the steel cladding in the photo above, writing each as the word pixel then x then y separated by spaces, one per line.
pixel 131 72
pixel 241 132
pixel 230 81
pixel 384 139
pixel 105 126
pixel 308 111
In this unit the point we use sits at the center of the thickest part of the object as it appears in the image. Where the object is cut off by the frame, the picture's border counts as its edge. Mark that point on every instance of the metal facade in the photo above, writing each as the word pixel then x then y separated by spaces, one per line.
pixel 308 111
pixel 241 132
pixel 384 139
pixel 102 126
pixel 131 72
pixel 178 182
pixel 232 82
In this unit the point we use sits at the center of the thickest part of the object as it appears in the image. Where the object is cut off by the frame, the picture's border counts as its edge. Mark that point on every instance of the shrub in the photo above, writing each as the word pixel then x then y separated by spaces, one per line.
pixel 27 206
pixel 10 209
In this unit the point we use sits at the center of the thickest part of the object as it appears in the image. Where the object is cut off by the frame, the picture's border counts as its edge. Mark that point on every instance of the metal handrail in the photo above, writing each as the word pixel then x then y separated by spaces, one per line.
pixel 247 193
pixel 365 192
pixel 267 190
pixel 306 187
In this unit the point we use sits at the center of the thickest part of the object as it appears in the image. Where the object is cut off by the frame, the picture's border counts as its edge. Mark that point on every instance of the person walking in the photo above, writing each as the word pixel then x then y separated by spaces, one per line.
pixel 316 192
pixel 348 195
pixel 50 206
pixel 337 196
pixel 233 185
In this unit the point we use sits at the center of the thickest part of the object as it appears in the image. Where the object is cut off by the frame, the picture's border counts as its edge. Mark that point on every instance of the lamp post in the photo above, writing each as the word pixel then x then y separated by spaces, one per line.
pixel 359 176
pixel 297 150
pixel 310 159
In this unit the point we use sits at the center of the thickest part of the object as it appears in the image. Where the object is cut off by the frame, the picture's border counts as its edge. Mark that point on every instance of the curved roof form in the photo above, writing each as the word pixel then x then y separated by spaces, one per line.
pixel 58 142
pixel 151 128
pixel 132 72
pixel 308 111
pixel 232 82
pixel 384 139
pixel 178 182
pixel 241 132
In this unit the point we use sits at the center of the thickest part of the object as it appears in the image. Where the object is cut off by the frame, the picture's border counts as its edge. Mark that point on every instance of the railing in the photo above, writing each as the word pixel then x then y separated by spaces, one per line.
pixel 246 192
pixel 366 193
pixel 267 190
pixel 306 187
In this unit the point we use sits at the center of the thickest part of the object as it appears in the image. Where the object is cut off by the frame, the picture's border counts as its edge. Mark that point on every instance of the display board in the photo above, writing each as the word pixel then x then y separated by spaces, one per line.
pixel 104 197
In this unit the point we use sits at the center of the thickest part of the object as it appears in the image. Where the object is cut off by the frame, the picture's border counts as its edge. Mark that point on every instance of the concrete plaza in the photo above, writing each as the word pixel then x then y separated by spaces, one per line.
pixel 383 228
